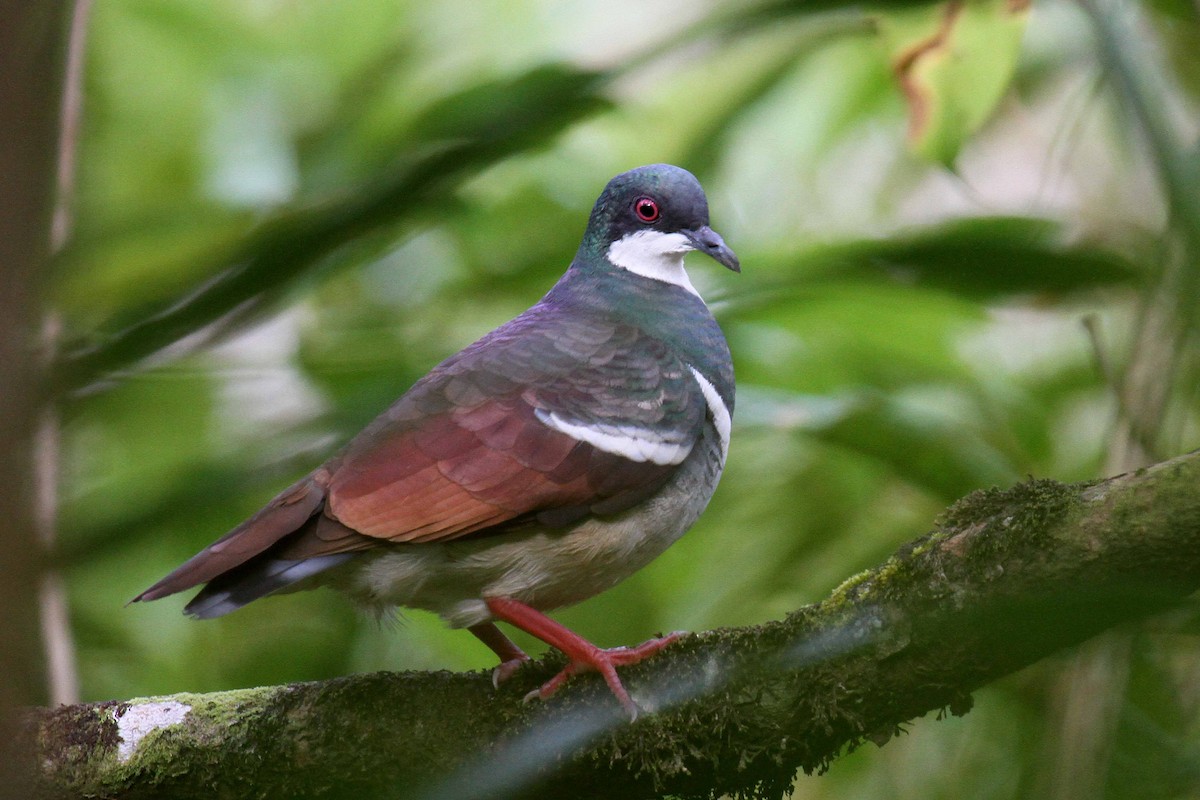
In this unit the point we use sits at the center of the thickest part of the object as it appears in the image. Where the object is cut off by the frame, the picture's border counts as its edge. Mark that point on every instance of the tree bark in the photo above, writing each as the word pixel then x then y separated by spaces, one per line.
pixel 1004 579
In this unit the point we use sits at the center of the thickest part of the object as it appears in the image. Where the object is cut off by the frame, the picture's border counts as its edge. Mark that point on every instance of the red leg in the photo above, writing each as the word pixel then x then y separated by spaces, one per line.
pixel 511 657
pixel 583 654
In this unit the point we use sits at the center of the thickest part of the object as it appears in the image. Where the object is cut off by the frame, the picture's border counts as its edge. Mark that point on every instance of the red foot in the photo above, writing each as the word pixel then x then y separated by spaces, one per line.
pixel 583 655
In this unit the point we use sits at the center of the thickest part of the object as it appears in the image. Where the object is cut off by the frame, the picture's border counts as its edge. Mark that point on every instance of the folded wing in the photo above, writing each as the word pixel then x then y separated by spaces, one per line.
pixel 519 427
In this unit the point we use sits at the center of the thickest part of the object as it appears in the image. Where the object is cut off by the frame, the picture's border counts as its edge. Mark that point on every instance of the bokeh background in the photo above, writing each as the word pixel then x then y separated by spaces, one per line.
pixel 969 234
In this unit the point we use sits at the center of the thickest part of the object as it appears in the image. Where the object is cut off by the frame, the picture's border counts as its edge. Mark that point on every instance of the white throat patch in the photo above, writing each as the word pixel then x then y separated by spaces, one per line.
pixel 653 254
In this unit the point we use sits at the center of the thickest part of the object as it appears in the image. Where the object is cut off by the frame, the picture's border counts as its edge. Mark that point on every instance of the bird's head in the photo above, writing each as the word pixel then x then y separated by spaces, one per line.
pixel 648 218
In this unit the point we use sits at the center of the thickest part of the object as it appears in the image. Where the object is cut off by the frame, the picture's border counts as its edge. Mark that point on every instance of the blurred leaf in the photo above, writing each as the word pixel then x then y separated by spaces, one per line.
pixel 990 257
pixel 836 335
pixel 769 12
pixel 131 459
pixel 947 456
pixel 774 62
pixel 524 111
pixel 239 484
pixel 1178 22
pixel 924 434
pixel 953 64
pixel 980 258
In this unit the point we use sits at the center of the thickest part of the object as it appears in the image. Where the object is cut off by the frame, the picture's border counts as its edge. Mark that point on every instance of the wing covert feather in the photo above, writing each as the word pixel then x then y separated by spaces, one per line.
pixel 467 448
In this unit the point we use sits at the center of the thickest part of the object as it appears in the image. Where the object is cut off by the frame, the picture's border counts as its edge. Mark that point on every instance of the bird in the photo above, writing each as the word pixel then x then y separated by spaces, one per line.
pixel 537 467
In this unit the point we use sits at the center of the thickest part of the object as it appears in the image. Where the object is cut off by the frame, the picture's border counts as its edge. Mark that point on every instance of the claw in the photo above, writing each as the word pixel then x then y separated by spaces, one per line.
pixel 506 669
pixel 512 658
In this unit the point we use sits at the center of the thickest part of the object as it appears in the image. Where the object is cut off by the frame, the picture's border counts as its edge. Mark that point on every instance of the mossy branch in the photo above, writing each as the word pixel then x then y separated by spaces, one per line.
pixel 1006 578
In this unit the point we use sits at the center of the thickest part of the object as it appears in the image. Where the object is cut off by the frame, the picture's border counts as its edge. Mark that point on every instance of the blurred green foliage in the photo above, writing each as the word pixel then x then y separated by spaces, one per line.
pixel 288 212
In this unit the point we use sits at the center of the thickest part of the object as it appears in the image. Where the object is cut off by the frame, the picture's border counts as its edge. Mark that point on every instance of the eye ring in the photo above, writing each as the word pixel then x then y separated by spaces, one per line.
pixel 646 209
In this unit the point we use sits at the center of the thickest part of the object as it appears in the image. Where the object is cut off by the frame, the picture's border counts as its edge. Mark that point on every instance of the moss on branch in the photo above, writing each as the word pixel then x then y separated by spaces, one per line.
pixel 1005 578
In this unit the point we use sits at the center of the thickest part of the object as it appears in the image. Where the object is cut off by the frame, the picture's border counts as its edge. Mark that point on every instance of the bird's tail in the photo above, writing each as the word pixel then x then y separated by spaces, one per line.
pixel 239 567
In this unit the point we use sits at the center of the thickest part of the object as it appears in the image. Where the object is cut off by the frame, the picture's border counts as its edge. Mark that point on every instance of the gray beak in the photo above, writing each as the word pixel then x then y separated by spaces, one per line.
pixel 709 242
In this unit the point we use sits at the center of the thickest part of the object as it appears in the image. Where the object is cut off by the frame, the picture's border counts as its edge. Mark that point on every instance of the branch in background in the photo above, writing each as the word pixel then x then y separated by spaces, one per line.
pixel 1093 691
pixel 62 673
pixel 1006 578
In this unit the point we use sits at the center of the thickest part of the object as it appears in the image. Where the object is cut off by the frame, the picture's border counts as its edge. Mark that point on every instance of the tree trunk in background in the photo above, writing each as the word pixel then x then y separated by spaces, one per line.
pixel 31 39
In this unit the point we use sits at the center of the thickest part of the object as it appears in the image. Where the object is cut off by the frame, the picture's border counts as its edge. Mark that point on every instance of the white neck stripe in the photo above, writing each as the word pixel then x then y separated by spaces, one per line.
pixel 722 420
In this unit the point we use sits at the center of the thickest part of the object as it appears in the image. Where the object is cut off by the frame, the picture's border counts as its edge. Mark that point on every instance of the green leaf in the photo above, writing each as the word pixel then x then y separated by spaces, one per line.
pixel 453 141
pixel 928 435
pixel 953 64
pixel 978 258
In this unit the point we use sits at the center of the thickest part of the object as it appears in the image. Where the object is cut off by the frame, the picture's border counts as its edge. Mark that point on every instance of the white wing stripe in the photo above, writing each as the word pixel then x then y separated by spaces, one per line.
pixel 636 444
pixel 644 444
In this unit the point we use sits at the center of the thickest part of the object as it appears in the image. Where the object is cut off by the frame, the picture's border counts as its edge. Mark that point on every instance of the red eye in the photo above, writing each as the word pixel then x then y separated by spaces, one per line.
pixel 646 209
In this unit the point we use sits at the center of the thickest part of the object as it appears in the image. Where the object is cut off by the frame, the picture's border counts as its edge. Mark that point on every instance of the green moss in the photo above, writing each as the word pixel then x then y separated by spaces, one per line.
pixel 973 542
pixel 1029 506
pixel 851 590
pixel 84 738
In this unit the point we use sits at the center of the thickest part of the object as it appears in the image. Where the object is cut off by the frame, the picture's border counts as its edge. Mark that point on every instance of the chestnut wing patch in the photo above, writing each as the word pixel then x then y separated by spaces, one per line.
pixel 415 487
pixel 592 431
